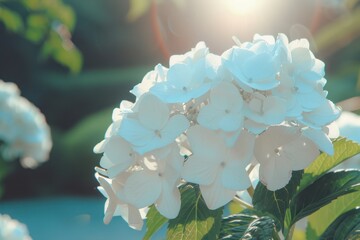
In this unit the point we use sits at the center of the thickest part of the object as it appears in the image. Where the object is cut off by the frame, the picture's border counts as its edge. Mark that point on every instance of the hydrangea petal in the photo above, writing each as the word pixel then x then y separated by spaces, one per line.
pixel 134 132
pixel 226 96
pixel 169 202
pixel 200 170
pixel 300 152
pixel 153 113
pixel 234 176
pixel 321 116
pixel 275 172
pixel 142 188
pixel 319 138
pixel 209 117
pixel 134 218
pixel 215 195
pixel 118 150
pixel 99 148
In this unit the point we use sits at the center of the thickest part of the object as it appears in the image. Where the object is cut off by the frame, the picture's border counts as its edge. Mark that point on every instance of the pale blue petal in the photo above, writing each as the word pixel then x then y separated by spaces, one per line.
pixel 135 133
pixel 234 176
pixel 153 113
pixel 209 117
pixel 320 139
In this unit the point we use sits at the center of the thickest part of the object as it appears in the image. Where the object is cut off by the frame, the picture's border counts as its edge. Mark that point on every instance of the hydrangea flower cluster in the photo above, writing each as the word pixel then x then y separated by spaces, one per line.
pixel 11 229
pixel 206 119
pixel 24 132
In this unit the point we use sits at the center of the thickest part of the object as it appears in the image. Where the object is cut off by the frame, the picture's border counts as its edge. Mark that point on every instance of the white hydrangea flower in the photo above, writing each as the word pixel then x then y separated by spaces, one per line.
pixel 320 138
pixel 301 79
pixel 217 168
pixel 23 128
pixel 156 183
pixel 158 75
pixel 118 155
pixel 206 117
pixel 189 76
pixel 153 127
pixel 11 229
pixel 304 66
pixel 321 116
pixel 225 109
pixel 253 65
pixel 281 150
pixel 264 109
pixel 116 207
pixel 300 96
pixel 8 89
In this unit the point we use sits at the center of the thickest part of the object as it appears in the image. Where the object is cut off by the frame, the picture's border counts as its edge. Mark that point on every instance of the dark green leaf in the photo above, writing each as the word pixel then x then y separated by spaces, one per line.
pixel 343 149
pixel 276 202
pixel 154 222
pixel 325 189
pixel 248 225
pixel 195 220
pixel 346 226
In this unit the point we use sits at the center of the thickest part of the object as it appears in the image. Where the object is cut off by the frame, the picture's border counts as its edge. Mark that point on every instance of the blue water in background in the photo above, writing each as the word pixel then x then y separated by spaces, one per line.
pixel 70 218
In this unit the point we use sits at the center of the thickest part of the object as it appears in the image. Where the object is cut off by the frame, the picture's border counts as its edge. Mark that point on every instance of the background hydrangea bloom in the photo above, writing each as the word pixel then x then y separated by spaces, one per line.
pixel 23 128
pixel 11 229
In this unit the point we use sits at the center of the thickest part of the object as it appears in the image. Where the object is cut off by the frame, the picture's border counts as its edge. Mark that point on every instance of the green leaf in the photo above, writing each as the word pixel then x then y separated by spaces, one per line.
pixel 322 218
pixel 12 20
pixel 235 207
pixel 276 202
pixel 311 233
pixel 154 222
pixel 343 149
pixel 37 27
pixel 324 190
pixel 195 221
pixel 63 51
pixel 346 226
pixel 248 225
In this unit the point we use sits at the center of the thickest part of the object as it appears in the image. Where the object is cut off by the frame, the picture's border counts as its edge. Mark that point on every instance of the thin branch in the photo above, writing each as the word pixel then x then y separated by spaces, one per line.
pixel 243 203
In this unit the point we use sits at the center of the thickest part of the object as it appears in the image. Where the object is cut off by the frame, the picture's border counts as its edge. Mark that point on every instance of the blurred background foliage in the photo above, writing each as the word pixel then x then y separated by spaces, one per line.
pixel 76 60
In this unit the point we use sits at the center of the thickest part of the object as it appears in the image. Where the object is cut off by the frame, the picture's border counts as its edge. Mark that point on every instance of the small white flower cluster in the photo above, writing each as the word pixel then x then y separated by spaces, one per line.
pixel 208 118
pixel 11 229
pixel 24 132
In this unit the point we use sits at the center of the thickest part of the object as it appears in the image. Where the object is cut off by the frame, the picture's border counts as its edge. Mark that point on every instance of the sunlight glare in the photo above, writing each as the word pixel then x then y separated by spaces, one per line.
pixel 242 6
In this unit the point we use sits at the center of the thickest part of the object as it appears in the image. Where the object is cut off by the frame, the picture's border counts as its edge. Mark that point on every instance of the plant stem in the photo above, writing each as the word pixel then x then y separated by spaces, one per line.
pixel 243 203
pixel 250 190
pixel 291 232
pixel 276 236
